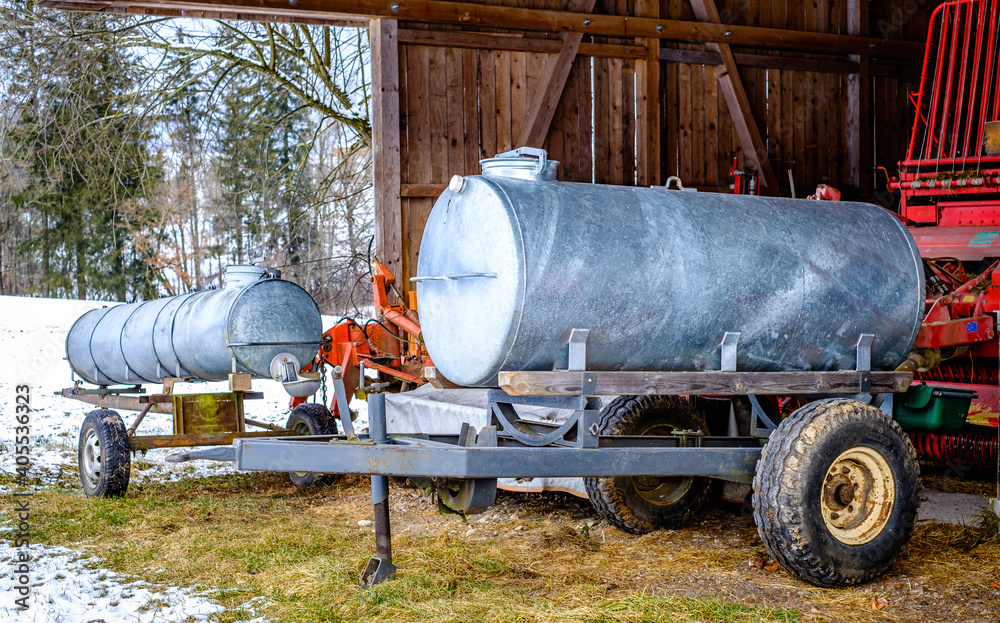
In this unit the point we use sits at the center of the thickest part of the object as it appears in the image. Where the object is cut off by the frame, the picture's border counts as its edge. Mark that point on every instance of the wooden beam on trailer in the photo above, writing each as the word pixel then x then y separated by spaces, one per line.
pixel 385 142
pixel 731 86
pixel 551 83
pixel 570 383
pixel 858 122
pixel 470 14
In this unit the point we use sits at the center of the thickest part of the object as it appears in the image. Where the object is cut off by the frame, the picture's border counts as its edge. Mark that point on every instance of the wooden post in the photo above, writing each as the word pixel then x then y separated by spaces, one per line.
pixel 385 145
pixel 859 153
pixel 647 94
pixel 736 99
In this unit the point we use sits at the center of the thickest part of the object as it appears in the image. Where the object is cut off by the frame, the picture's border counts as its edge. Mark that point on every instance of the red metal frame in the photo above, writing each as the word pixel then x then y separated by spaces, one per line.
pixel 950 198
pixel 945 162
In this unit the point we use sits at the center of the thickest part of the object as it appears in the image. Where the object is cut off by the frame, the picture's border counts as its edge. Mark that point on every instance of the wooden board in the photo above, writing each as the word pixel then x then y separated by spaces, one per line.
pixel 386 141
pixel 564 383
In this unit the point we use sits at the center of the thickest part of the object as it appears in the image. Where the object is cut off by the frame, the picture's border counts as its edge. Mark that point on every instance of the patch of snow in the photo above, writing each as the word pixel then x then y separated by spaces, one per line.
pixel 70 587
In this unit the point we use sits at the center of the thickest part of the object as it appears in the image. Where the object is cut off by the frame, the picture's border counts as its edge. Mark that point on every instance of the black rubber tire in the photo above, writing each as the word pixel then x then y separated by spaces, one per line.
pixel 619 499
pixel 103 455
pixel 791 479
pixel 311 419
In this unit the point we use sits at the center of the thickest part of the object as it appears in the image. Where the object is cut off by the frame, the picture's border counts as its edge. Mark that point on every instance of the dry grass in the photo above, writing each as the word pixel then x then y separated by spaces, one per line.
pixel 529 558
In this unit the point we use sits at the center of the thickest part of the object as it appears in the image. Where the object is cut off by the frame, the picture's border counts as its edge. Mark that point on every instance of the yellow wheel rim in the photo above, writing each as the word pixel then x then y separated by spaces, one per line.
pixel 858 495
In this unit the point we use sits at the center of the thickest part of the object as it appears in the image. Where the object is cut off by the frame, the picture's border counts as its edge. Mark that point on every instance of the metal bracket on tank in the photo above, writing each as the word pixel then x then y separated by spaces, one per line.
pixel 729 342
pixel 576 349
pixel 864 364
pixel 572 356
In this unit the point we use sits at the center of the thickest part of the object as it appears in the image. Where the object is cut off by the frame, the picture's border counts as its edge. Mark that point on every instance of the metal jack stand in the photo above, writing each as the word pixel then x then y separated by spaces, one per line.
pixel 379 567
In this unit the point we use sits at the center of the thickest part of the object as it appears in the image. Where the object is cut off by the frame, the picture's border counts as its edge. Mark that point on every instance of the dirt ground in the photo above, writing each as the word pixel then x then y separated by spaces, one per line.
pixel 947 573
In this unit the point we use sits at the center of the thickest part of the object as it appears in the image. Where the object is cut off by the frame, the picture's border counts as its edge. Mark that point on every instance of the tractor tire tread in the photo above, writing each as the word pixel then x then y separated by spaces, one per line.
pixel 607 497
pixel 781 471
pixel 321 422
pixel 115 461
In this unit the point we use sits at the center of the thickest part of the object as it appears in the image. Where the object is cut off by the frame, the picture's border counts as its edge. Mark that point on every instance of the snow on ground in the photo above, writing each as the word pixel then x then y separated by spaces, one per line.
pixel 69 587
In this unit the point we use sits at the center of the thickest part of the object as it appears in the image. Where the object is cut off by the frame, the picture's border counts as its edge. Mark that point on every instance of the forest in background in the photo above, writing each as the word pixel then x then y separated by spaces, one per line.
pixel 139 157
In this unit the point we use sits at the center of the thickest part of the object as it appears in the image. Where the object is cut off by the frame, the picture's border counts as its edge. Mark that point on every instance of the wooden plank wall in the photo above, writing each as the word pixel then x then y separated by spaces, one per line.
pixel 462 103
pixel 801 114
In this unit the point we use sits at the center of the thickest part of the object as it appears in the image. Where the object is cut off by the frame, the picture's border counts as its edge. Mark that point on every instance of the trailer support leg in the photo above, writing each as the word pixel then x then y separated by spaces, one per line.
pixel 379 567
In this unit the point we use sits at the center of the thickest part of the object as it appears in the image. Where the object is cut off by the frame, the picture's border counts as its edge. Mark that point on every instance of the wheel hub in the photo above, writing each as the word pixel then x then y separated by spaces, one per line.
pixel 661 491
pixel 858 494
pixel 92 464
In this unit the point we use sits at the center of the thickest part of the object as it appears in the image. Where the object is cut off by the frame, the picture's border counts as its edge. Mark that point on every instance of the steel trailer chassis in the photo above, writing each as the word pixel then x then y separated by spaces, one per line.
pixel 463 468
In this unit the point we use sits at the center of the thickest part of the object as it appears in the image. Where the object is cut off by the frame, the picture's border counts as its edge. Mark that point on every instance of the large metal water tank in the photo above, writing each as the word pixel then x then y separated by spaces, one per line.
pixel 202 335
pixel 508 266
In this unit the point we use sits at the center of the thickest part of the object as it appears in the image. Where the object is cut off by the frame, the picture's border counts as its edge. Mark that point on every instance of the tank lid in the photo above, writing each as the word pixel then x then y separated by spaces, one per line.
pixel 526 163
pixel 242 275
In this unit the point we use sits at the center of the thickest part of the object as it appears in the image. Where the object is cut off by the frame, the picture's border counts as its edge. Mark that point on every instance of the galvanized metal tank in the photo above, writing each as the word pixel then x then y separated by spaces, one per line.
pixel 201 335
pixel 508 266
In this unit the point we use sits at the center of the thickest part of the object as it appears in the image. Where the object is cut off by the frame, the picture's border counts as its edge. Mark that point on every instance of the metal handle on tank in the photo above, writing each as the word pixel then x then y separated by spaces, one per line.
pixel 528 151
pixel 453 277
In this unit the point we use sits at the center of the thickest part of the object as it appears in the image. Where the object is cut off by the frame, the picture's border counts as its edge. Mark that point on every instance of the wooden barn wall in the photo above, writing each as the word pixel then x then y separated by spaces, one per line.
pixel 802 115
pixel 461 104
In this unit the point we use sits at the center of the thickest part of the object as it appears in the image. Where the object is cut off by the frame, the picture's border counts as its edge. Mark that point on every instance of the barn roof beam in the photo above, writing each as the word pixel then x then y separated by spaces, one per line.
pixel 357 12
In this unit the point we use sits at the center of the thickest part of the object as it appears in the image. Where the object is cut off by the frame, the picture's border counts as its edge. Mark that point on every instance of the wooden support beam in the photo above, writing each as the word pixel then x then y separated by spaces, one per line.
pixel 767 61
pixel 647 94
pixel 563 383
pixel 858 122
pixel 496 16
pixel 731 86
pixel 385 143
pixel 512 42
pixel 551 83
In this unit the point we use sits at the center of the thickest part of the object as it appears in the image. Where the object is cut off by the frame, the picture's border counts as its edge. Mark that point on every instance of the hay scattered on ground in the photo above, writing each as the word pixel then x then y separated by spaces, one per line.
pixel 531 557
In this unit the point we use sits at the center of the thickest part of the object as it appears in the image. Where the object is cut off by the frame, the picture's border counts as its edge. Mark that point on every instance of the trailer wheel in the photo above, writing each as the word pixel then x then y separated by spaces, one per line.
pixel 311 419
pixel 103 455
pixel 836 492
pixel 639 505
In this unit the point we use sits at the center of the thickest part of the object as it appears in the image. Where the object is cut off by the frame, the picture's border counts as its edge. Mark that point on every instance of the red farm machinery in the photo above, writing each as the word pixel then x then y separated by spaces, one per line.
pixel 388 344
pixel 949 184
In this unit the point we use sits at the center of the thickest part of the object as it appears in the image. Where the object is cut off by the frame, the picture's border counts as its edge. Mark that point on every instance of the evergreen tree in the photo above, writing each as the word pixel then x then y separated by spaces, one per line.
pixel 82 150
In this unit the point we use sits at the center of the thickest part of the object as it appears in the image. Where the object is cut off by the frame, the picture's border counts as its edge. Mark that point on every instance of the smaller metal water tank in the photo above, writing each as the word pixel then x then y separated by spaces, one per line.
pixel 203 335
